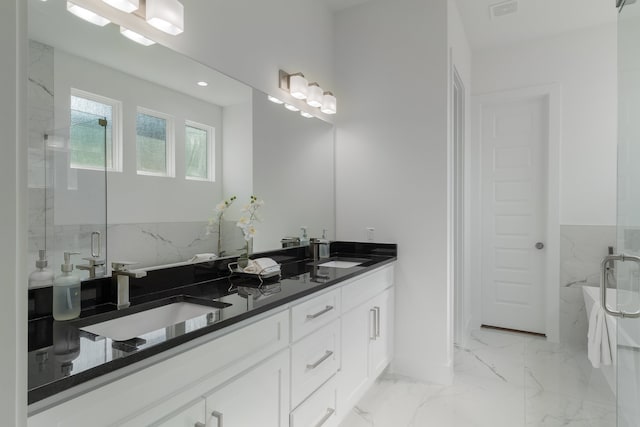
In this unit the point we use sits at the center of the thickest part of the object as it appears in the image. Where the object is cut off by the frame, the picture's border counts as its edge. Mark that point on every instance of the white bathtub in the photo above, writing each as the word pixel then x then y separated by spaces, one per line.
pixel 624 333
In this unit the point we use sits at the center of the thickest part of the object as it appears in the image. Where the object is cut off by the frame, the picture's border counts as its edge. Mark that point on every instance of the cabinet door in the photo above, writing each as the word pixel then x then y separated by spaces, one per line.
pixel 258 397
pixel 381 347
pixel 357 331
pixel 192 416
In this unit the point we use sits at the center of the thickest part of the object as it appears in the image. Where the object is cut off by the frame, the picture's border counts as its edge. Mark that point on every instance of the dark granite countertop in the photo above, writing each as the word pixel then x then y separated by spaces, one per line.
pixel 61 355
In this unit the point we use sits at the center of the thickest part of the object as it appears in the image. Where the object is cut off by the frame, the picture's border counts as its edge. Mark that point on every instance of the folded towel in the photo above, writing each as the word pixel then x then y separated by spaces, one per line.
pixel 203 257
pixel 262 266
pixel 598 345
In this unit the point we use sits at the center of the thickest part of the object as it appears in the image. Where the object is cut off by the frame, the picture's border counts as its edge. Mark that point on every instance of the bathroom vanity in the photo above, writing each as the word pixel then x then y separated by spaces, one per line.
pixel 299 351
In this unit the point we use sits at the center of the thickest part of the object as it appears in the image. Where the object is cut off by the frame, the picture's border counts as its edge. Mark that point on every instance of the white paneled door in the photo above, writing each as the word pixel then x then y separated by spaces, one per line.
pixel 514 134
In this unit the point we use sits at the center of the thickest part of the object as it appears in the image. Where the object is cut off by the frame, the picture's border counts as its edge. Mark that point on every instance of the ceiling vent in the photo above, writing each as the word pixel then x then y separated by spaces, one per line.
pixel 503 8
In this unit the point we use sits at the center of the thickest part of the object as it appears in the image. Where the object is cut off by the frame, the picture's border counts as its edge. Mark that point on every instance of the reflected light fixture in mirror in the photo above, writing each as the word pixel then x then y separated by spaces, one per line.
pixel 314 95
pixel 291 107
pixel 138 38
pixel 306 115
pixel 87 15
pixel 329 103
pixel 166 15
pixel 275 100
pixel 127 6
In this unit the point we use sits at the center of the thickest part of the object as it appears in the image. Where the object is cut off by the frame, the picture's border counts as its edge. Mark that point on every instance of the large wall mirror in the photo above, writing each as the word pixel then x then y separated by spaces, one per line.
pixel 129 156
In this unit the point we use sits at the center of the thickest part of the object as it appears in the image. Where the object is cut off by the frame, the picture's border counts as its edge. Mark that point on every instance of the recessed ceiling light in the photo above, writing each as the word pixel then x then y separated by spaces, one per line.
pixel 202 83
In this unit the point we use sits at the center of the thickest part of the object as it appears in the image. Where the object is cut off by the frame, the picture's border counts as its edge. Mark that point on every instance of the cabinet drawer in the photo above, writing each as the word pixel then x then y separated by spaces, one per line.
pixel 363 289
pixel 319 410
pixel 314 313
pixel 314 360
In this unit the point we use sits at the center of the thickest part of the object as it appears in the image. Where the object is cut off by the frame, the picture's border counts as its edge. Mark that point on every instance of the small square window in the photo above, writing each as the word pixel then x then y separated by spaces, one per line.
pixel 154 143
pixel 91 146
pixel 199 152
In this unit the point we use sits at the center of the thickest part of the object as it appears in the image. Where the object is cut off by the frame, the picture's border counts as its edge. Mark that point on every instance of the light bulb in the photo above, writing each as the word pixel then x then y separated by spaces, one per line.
pixel 329 103
pixel 314 95
pixel 298 86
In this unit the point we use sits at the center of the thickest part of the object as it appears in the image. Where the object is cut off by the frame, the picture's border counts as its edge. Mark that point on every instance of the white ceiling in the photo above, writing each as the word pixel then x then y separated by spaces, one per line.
pixel 534 19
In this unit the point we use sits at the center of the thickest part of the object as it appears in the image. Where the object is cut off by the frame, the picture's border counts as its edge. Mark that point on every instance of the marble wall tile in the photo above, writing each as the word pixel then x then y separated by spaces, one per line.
pixel 582 247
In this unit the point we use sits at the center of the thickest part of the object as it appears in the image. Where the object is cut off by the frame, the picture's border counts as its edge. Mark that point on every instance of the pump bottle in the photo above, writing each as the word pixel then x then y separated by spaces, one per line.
pixel 66 291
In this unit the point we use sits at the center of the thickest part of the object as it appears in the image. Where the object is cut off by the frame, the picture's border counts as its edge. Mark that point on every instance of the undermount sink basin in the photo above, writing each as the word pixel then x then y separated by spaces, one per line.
pixel 127 327
pixel 339 264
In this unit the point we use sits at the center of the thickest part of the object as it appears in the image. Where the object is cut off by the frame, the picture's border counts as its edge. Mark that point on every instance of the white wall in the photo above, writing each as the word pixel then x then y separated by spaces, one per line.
pixel 13 213
pixel 460 60
pixel 251 40
pixel 584 64
pixel 391 169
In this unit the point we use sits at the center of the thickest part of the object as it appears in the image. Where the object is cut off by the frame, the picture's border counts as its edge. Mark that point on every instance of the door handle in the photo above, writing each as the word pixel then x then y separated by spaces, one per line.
pixel 377 311
pixel 603 284
pixel 372 326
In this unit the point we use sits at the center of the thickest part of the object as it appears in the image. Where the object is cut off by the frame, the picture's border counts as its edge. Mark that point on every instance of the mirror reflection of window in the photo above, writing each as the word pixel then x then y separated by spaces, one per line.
pixel 199 152
pixel 154 143
pixel 86 139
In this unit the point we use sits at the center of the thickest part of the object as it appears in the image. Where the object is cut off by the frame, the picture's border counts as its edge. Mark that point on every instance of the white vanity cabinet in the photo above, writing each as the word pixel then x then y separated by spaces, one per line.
pixel 259 397
pixel 367 334
pixel 193 415
pixel 305 365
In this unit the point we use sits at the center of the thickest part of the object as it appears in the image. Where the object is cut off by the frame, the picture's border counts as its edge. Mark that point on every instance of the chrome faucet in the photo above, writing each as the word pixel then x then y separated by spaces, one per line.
pixel 122 275
pixel 316 248
pixel 95 265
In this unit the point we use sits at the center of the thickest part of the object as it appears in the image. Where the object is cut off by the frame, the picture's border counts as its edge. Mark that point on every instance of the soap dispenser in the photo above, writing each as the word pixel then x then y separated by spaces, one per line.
pixel 324 247
pixel 304 239
pixel 42 276
pixel 66 291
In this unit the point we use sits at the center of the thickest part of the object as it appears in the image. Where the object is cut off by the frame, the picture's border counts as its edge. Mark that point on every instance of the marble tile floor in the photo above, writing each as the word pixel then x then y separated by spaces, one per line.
pixel 502 379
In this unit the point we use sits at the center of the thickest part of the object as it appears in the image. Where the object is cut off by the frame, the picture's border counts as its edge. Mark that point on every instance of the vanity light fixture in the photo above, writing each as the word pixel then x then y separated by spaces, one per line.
pixel 306 115
pixel 202 83
pixel 87 15
pixel 274 99
pixel 329 103
pixel 291 107
pixel 314 95
pixel 166 15
pixel 295 84
pixel 138 38
pixel 127 6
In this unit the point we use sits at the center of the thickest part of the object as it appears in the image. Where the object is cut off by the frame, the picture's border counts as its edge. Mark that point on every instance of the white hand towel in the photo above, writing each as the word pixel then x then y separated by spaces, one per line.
pixel 598 345
pixel 203 257
pixel 262 266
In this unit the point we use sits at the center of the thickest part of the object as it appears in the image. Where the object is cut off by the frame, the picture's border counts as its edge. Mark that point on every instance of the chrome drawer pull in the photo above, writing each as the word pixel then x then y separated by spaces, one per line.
pixel 372 335
pixel 377 310
pixel 326 417
pixel 218 416
pixel 320 313
pixel 327 355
